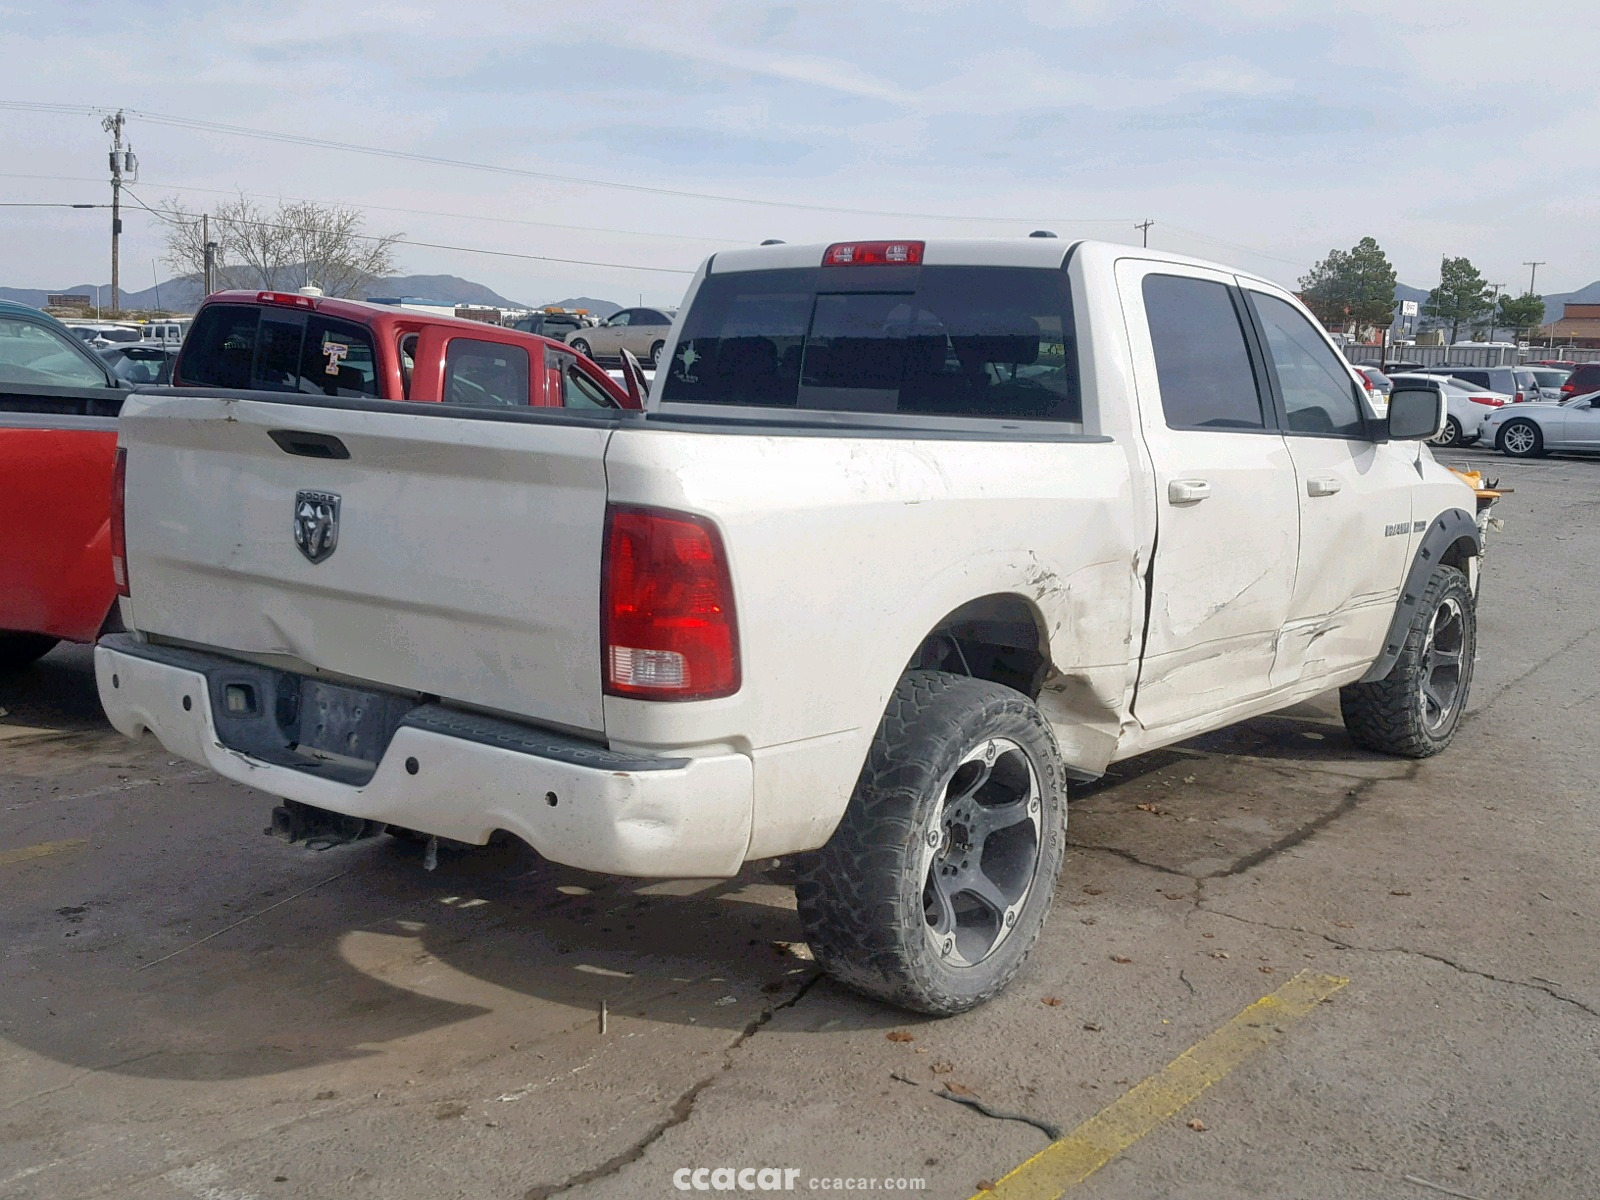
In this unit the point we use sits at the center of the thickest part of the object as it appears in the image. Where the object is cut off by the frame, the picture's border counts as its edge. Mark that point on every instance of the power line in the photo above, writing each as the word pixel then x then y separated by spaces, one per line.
pixel 173 218
pixel 418 212
pixel 296 139
pixel 56 204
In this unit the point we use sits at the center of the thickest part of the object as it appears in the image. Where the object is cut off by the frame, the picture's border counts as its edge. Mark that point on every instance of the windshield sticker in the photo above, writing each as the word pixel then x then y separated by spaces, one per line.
pixel 336 352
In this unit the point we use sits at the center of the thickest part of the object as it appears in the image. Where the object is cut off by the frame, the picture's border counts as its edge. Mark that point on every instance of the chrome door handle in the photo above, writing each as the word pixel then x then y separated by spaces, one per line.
pixel 1323 485
pixel 1187 491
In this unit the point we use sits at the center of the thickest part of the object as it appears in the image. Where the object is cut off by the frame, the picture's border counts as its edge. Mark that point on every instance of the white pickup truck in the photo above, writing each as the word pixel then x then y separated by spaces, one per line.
pixel 910 536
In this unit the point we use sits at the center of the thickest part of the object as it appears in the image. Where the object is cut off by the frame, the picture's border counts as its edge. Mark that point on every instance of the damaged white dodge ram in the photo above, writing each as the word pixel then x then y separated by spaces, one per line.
pixel 909 536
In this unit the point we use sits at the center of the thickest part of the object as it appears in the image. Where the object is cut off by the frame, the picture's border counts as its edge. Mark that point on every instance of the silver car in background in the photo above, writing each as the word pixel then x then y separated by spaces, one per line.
pixel 1533 430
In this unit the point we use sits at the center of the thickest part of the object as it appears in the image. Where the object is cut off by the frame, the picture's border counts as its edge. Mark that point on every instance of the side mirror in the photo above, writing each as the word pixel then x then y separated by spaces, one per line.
pixel 1415 414
pixel 633 379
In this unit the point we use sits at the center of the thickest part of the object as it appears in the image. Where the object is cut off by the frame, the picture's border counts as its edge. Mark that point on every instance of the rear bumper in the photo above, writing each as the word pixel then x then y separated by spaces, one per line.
pixel 462 776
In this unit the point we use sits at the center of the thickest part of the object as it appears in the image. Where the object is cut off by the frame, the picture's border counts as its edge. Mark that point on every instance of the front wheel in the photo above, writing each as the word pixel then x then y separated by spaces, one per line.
pixel 581 346
pixel 17 650
pixel 1521 439
pixel 1450 435
pixel 937 882
pixel 1415 709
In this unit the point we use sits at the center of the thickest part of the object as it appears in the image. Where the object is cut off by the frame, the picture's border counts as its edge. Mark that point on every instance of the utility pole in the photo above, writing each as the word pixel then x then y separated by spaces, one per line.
pixel 210 249
pixel 1144 228
pixel 1494 306
pixel 1533 271
pixel 122 160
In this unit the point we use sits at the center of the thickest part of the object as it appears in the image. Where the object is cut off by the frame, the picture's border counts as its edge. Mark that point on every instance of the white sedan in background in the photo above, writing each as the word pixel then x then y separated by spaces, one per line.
pixel 1531 430
pixel 1465 404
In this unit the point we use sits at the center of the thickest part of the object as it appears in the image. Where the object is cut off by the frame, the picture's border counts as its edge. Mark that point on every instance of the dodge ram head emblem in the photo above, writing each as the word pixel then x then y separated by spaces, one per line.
pixel 316 524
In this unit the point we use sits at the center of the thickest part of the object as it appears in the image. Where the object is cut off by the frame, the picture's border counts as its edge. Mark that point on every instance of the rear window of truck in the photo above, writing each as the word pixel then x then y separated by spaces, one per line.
pixel 278 350
pixel 935 341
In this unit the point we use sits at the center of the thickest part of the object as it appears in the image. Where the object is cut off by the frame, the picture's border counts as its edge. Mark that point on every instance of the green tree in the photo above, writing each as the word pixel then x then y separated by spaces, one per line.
pixel 1352 287
pixel 1461 297
pixel 1523 313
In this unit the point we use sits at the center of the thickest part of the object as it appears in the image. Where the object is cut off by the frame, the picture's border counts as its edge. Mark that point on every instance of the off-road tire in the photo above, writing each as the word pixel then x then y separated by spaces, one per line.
pixel 861 897
pixel 582 347
pixel 1390 715
pixel 17 650
pixel 655 354
pixel 1451 435
pixel 1535 450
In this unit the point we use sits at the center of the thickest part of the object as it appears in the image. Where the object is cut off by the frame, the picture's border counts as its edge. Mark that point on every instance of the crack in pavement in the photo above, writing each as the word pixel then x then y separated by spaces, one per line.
pixel 1501 691
pixel 1347 804
pixel 1342 944
pixel 682 1108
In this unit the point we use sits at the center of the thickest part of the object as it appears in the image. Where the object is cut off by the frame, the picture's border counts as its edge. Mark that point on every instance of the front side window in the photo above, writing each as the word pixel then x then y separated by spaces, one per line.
pixel 1319 397
pixel 1202 359
pixel 580 392
pixel 483 374
pixel 34 354
pixel 939 341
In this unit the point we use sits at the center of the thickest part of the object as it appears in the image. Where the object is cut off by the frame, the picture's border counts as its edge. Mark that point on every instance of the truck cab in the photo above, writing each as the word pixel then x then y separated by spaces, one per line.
pixel 319 345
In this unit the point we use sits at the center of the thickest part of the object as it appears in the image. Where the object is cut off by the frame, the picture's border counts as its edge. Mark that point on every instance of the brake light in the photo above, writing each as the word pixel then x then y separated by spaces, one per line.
pixel 119 537
pixel 1567 389
pixel 1491 401
pixel 287 299
pixel 1517 399
pixel 870 254
pixel 668 630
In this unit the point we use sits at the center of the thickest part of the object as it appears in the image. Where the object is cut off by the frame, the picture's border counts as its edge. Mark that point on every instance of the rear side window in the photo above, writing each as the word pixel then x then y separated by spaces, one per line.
pixel 1319 397
pixel 1480 378
pixel 221 347
pixel 1202 360
pixel 485 374
pixel 938 341
pixel 338 359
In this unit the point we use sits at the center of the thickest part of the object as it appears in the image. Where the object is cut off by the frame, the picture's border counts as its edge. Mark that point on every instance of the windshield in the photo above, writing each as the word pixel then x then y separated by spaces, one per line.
pixel 946 341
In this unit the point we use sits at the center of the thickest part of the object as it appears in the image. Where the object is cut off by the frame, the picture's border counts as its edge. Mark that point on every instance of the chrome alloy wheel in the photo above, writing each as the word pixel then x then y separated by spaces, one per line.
pixel 980 854
pixel 1519 438
pixel 1442 665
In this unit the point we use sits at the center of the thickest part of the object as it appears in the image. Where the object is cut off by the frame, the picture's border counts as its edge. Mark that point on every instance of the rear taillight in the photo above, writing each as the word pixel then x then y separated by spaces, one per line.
pixel 870 254
pixel 1517 399
pixel 1491 401
pixel 1567 389
pixel 119 537
pixel 666 608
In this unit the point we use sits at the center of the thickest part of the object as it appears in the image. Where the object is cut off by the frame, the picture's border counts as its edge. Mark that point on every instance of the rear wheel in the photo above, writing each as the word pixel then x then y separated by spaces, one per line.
pixel 655 353
pixel 582 347
pixel 1450 435
pixel 17 650
pixel 938 880
pixel 1521 439
pixel 1415 709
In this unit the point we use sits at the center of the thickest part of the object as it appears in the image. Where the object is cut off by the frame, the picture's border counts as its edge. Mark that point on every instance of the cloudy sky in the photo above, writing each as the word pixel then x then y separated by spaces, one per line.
pixel 1259 134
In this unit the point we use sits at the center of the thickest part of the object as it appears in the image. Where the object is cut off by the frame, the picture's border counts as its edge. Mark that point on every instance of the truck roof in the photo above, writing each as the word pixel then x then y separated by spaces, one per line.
pixel 961 252
pixel 365 312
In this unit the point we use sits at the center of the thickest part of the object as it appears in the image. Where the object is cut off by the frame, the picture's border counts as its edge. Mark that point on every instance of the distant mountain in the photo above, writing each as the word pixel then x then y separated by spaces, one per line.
pixel 450 289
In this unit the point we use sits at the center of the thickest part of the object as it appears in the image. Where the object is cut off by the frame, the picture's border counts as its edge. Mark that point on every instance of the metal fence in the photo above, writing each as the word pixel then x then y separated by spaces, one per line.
pixel 1467 356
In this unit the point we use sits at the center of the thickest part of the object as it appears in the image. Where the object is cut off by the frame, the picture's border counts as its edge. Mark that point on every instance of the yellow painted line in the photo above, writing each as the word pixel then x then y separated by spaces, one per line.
pixel 1120 1124
pixel 41 850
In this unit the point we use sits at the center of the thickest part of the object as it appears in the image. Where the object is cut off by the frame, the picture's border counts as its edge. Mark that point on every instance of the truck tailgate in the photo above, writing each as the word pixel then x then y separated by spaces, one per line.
pixel 465 564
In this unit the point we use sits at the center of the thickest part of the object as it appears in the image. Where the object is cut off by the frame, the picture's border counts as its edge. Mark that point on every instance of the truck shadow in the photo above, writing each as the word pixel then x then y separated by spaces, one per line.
pixel 173 964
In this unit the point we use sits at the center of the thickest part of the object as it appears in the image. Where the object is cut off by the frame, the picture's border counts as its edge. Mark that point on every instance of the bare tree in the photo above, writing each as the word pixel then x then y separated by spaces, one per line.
pixel 298 244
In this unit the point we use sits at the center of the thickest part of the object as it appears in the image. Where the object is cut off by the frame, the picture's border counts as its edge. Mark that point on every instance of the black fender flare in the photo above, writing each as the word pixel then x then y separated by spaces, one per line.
pixel 1444 531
